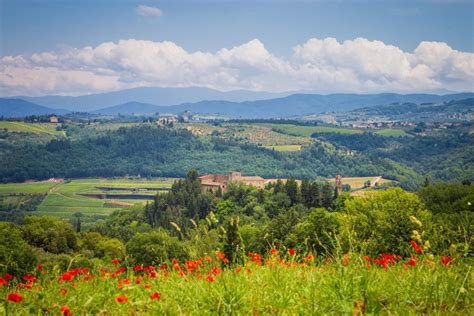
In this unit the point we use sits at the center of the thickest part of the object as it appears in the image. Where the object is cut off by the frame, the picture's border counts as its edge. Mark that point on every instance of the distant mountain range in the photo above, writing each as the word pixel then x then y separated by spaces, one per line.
pixel 293 105
pixel 152 95
pixel 22 108
pixel 287 106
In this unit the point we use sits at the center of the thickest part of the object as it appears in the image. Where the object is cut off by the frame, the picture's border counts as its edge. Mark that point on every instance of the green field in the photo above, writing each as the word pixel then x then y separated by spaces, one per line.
pixel 284 147
pixel 307 131
pixel 36 128
pixel 391 132
pixel 64 199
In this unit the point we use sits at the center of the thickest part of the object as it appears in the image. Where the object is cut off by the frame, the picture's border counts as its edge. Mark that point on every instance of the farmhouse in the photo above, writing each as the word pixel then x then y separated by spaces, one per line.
pixel 53 119
pixel 212 182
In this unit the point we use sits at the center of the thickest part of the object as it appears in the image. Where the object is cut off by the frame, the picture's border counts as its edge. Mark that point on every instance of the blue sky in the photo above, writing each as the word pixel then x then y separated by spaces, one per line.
pixel 30 26
pixel 36 26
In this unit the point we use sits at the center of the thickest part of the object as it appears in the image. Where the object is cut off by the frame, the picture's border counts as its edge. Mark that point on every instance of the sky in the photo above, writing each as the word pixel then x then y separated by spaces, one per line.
pixel 74 47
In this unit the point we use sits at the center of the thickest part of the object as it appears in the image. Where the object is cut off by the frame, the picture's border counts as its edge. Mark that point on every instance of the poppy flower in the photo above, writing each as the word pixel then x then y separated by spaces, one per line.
pixel 65 310
pixel 8 277
pixel 115 262
pixel 29 278
pixel 274 251
pixel 121 299
pixel 138 268
pixel 209 279
pixel 67 276
pixel 3 281
pixel 220 255
pixel 147 286
pixel 291 251
pixel 39 267
pixel 416 247
pixel 445 260
pixel 15 297
pixel 155 296
pixel 411 262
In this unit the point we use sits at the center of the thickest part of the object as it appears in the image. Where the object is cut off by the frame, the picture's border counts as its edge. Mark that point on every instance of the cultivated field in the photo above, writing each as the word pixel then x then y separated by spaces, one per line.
pixel 391 132
pixel 65 199
pixel 307 131
pixel 357 183
pixel 36 128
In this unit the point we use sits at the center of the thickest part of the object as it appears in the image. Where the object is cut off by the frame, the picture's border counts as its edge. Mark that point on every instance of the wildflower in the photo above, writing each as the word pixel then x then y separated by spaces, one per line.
pixel 8 277
pixel 63 292
pixel 39 267
pixel 445 260
pixel 67 277
pixel 155 296
pixel 153 274
pixel 345 260
pixel 138 268
pixel 174 261
pixel 29 278
pixel 415 235
pixel 121 299
pixel 367 258
pixel 411 262
pixel 220 255
pixel 163 266
pixel 238 270
pixel 15 297
pixel 209 278
pixel 415 221
pixel 3 281
pixel 291 251
pixel 147 286
pixel 115 262
pixel 274 251
pixel 309 257
pixel 416 247
pixel 65 310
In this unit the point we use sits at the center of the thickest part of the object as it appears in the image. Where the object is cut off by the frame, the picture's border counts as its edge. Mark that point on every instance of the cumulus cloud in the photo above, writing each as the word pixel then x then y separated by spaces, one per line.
pixel 321 65
pixel 145 10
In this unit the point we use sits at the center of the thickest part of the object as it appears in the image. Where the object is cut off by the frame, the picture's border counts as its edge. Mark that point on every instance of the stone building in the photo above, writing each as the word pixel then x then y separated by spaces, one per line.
pixel 212 182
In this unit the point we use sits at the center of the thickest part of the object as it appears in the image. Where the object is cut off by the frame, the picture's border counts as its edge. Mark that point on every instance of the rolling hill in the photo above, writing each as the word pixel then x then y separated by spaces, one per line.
pixel 295 104
pixel 22 108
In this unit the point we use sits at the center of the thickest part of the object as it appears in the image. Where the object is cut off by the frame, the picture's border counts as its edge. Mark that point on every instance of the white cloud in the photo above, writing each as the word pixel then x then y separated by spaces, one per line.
pixel 322 65
pixel 145 10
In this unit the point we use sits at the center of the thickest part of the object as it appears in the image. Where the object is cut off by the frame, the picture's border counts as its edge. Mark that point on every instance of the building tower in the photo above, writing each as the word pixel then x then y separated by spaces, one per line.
pixel 339 183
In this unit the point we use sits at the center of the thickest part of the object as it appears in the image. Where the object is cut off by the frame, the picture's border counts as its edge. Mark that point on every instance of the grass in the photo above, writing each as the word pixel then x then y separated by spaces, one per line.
pixel 283 286
pixel 307 131
pixel 391 132
pixel 358 182
pixel 37 128
pixel 64 199
pixel 284 147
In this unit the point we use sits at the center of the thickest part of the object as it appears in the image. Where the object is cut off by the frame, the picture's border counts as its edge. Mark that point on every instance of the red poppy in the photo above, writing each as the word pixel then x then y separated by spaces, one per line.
pixel 163 266
pixel 121 299
pixel 220 254
pixel 67 276
pixel 147 286
pixel 416 247
pixel 274 251
pixel 29 278
pixel 39 267
pixel 155 296
pixel 238 270
pixel 8 277
pixel 15 297
pixel 65 310
pixel 411 262
pixel 209 278
pixel 3 281
pixel 445 260
pixel 115 262
pixel 138 268
pixel 367 258
pixel 291 251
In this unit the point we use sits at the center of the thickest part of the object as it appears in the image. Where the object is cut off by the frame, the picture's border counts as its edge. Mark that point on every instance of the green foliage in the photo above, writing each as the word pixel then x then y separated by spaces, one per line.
pixel 318 231
pixel 49 233
pixel 16 256
pixel 382 221
pixel 154 247
pixel 233 245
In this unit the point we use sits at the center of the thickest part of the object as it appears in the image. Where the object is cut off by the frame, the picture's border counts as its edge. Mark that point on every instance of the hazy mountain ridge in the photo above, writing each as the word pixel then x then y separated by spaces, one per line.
pixel 10 107
pixel 295 104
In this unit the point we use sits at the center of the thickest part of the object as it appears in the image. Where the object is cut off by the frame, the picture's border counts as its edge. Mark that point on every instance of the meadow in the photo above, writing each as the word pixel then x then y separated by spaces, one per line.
pixel 63 199
pixel 36 128
pixel 281 282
